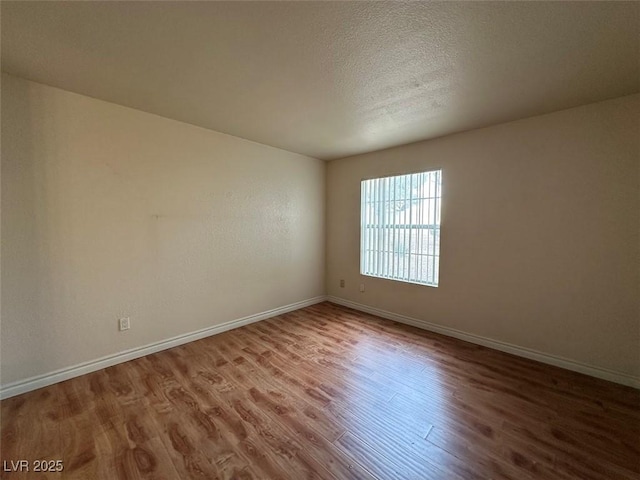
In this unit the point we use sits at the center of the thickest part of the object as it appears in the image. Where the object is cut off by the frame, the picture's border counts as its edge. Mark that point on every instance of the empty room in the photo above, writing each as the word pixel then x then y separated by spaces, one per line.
pixel 320 240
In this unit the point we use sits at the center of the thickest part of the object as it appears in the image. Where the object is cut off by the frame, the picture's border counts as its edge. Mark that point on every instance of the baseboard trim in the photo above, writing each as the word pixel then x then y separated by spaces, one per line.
pixel 39 381
pixel 561 362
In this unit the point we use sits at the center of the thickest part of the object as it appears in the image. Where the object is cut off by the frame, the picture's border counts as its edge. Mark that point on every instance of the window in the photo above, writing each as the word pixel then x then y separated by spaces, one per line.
pixel 400 227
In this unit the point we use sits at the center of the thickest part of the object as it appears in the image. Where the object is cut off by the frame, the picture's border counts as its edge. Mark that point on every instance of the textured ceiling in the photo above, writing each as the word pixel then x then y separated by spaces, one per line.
pixel 330 79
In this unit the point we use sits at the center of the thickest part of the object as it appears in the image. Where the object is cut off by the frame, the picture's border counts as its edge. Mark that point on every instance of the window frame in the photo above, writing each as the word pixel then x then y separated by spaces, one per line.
pixel 375 252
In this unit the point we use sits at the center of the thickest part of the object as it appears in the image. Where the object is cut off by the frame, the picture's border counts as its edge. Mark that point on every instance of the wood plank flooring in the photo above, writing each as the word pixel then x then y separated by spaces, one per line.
pixel 329 393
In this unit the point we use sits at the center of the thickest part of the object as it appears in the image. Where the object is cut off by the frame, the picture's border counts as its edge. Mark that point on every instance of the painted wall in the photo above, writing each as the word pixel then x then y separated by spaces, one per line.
pixel 109 212
pixel 540 233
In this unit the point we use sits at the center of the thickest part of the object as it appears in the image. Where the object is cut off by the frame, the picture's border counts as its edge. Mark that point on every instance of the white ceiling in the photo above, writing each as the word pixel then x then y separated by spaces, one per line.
pixel 330 79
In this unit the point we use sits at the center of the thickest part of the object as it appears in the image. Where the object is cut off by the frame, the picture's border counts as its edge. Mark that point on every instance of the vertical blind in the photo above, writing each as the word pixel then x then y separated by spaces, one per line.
pixel 400 227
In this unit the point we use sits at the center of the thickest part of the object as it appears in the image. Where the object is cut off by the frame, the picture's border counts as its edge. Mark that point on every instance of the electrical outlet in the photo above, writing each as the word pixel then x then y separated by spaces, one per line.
pixel 124 324
pixel 362 287
pixel 341 283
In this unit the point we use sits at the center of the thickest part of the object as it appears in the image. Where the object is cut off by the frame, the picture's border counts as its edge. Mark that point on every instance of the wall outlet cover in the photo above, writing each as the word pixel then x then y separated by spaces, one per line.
pixel 124 324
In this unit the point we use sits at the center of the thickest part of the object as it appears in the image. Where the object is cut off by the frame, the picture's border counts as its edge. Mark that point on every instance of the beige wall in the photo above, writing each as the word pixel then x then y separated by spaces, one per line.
pixel 540 233
pixel 109 212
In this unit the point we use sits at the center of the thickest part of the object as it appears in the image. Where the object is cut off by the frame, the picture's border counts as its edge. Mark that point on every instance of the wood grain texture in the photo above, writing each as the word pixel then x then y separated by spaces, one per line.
pixel 328 393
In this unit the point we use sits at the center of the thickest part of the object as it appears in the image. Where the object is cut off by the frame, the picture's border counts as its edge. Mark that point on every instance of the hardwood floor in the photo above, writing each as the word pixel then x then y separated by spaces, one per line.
pixel 330 393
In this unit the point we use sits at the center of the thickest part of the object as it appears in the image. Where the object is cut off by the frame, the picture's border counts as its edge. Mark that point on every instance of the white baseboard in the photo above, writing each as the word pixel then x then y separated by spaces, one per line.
pixel 33 383
pixel 561 362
